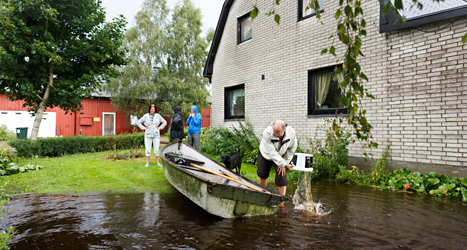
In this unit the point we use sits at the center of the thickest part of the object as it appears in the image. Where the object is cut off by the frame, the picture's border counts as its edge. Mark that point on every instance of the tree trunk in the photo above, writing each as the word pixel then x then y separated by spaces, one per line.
pixel 40 111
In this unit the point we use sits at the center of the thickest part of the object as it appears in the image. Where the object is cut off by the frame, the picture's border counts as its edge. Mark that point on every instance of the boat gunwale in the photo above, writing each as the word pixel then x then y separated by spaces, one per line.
pixel 271 192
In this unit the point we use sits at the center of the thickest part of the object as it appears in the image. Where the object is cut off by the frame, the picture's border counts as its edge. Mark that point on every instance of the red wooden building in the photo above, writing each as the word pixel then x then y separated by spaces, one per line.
pixel 97 117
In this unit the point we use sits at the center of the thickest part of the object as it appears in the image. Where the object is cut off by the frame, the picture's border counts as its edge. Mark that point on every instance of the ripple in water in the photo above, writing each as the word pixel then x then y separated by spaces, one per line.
pixel 303 199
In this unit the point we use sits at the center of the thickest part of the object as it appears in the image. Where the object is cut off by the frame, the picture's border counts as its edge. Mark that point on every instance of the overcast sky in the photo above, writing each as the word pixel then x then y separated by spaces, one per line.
pixel 210 9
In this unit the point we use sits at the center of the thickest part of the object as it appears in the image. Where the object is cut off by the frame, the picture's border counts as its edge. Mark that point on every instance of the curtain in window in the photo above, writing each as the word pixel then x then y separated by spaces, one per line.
pixel 322 87
pixel 246 29
pixel 237 102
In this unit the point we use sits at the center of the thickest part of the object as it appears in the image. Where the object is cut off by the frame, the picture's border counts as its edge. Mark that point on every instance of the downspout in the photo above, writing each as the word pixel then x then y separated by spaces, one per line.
pixel 75 122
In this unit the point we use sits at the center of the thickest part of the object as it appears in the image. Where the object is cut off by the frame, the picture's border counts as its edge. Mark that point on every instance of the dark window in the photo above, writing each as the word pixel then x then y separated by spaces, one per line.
pixel 235 102
pixel 303 12
pixel 324 94
pixel 244 28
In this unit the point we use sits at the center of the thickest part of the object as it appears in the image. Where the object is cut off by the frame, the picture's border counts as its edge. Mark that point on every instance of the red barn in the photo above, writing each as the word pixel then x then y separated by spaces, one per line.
pixel 97 117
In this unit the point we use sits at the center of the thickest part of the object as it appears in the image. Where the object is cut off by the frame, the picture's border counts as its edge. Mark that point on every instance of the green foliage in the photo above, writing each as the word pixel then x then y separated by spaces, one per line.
pixel 377 175
pixel 217 141
pixel 167 59
pixel 404 180
pixel 57 146
pixel 51 58
pixel 5 236
pixel 8 163
pixel 5 134
pixel 331 152
pixel 378 171
pixel 7 160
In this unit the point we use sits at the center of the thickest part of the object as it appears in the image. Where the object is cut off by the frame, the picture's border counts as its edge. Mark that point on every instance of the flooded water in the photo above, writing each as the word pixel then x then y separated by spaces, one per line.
pixel 360 218
pixel 303 198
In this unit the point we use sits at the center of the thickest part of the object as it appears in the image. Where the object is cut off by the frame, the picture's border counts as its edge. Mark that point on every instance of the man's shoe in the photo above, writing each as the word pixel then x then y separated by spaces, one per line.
pixel 147 165
pixel 159 165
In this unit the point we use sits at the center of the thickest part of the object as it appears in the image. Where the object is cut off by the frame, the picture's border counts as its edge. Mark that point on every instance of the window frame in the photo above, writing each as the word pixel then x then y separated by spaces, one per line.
pixel 114 122
pixel 239 28
pixel 227 102
pixel 300 7
pixel 311 111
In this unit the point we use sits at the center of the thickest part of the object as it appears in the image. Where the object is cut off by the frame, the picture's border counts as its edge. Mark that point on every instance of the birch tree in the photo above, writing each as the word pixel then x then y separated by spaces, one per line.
pixel 167 58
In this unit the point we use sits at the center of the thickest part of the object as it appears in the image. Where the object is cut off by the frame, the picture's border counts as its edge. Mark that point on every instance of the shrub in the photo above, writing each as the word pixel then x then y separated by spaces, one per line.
pixel 331 152
pixel 5 134
pixel 6 158
pixel 58 146
pixel 221 140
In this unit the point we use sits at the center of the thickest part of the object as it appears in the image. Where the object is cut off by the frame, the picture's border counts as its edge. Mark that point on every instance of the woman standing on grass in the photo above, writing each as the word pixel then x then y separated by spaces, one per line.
pixel 150 124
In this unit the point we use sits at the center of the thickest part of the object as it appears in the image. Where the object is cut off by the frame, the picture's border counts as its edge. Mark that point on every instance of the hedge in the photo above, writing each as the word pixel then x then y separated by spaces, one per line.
pixel 58 146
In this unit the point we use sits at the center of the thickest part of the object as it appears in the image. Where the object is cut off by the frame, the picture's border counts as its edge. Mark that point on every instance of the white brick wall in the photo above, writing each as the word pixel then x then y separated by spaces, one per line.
pixel 417 76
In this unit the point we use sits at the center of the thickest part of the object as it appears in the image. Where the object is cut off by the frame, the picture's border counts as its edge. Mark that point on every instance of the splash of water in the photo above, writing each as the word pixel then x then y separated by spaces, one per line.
pixel 303 198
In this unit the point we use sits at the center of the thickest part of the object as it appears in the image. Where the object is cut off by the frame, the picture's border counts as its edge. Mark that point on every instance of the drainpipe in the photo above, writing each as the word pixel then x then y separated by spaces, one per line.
pixel 75 122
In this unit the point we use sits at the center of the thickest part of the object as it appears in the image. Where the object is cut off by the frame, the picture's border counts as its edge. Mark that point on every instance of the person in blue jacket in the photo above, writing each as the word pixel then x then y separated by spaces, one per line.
pixel 194 127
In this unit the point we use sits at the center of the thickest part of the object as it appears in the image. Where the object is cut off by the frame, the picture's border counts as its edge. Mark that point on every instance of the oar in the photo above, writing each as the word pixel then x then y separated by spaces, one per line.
pixel 227 177
pixel 239 181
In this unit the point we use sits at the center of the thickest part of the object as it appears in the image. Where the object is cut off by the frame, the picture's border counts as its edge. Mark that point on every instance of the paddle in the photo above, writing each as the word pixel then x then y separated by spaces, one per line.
pixel 228 178
pixel 239 181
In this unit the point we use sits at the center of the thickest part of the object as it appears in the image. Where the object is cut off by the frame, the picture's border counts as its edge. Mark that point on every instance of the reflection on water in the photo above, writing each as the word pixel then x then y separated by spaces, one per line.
pixel 303 198
pixel 361 218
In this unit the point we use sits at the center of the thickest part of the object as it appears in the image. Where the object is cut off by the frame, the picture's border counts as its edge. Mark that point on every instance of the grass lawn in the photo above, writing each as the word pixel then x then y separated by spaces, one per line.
pixel 91 172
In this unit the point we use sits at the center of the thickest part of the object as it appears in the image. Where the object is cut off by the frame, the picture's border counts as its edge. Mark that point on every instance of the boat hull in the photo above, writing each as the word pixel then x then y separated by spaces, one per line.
pixel 217 198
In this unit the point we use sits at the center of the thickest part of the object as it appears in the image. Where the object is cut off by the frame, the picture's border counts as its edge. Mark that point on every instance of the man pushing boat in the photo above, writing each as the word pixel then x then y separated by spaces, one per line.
pixel 277 148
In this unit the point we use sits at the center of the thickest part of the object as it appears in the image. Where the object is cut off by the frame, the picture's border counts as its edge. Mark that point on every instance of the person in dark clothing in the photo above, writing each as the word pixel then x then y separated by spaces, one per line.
pixel 176 129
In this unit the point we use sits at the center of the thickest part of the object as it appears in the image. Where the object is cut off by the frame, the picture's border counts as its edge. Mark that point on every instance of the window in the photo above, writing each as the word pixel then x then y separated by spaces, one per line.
pixel 324 94
pixel 235 102
pixel 244 28
pixel 303 12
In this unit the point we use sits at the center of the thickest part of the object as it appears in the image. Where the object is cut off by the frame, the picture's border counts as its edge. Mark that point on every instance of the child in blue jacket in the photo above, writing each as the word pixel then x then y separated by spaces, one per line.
pixel 194 127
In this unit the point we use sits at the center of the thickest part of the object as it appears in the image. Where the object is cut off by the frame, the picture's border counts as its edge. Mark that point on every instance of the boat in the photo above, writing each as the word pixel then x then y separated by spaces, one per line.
pixel 213 187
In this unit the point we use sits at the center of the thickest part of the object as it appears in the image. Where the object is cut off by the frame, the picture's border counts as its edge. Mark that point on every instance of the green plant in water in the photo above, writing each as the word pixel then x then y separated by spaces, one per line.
pixel 404 180
pixel 5 236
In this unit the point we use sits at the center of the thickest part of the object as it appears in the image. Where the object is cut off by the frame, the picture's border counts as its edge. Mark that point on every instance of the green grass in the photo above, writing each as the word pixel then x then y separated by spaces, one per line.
pixel 90 172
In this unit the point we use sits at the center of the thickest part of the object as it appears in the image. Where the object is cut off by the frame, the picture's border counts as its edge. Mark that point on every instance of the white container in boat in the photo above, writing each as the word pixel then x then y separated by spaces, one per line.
pixel 303 162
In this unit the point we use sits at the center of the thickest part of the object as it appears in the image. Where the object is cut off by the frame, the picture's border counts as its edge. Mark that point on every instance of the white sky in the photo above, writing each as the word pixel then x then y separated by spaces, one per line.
pixel 210 9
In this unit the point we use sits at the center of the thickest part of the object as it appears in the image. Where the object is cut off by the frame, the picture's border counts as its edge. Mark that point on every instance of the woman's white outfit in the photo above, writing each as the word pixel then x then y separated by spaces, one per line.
pixel 151 133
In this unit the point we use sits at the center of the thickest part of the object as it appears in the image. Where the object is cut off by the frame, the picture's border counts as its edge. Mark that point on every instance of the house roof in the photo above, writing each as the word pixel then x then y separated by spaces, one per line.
pixel 431 12
pixel 208 67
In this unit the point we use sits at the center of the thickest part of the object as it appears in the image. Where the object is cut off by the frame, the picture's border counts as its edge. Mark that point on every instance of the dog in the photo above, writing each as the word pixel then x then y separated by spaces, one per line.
pixel 233 162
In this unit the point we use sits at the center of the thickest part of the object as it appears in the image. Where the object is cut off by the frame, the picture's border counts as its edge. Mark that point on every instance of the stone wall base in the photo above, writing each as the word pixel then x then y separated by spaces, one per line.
pixel 423 168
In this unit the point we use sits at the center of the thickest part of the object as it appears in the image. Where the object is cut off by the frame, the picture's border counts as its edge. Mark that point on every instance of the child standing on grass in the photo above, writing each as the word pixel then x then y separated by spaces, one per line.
pixel 151 124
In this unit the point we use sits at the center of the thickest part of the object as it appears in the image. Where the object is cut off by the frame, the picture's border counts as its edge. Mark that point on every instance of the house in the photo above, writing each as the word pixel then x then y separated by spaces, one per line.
pixel 261 71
